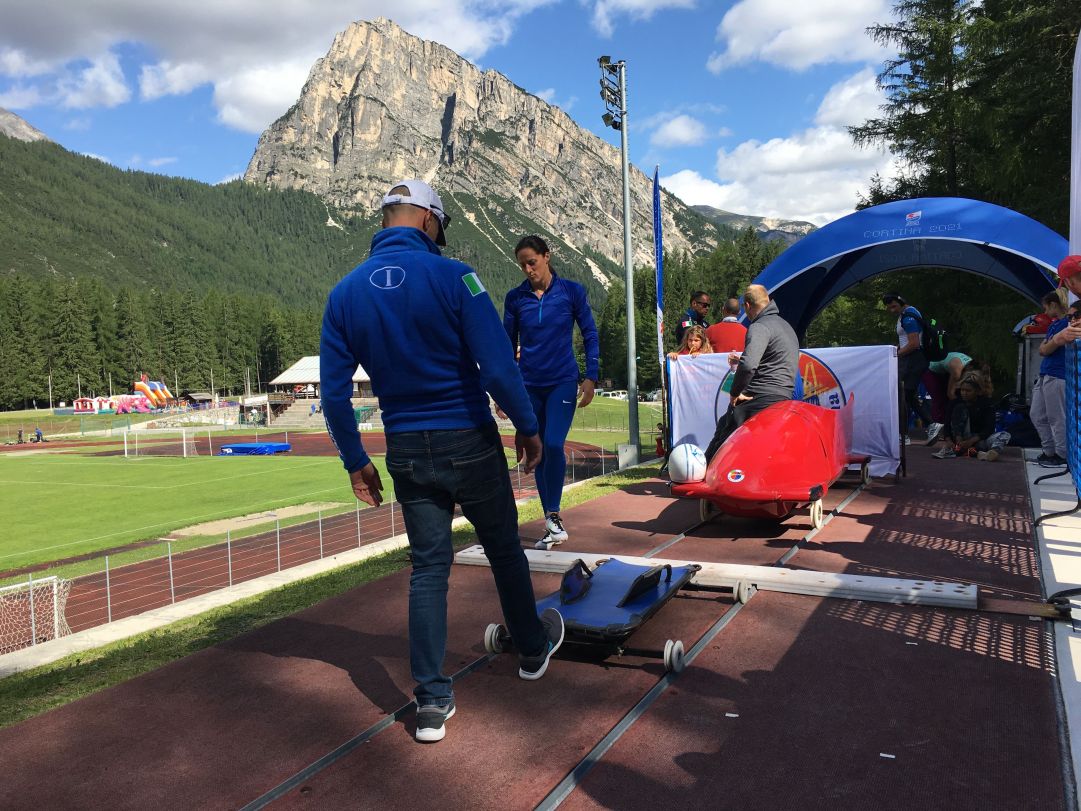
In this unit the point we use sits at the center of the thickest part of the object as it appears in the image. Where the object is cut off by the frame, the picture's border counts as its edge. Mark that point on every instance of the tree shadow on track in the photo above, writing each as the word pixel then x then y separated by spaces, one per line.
pixel 345 648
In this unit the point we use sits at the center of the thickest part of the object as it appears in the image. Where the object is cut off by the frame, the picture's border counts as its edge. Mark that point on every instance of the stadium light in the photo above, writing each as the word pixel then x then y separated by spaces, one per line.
pixel 614 94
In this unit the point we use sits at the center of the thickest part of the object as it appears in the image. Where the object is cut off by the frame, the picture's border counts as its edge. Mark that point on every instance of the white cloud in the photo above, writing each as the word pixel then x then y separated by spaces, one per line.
pixel 99 85
pixel 547 94
pixel 851 101
pixel 815 175
pixel 21 97
pixel 255 53
pixel 230 178
pixel 14 62
pixel 156 162
pixel 724 132
pixel 101 158
pixel 79 123
pixel 606 11
pixel 798 35
pixel 681 130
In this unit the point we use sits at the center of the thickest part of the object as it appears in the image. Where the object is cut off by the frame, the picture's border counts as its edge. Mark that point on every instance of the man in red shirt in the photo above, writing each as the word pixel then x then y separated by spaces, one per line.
pixel 729 335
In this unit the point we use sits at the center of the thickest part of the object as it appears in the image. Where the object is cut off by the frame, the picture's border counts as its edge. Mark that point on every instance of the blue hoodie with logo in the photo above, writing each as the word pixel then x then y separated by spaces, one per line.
pixel 426 332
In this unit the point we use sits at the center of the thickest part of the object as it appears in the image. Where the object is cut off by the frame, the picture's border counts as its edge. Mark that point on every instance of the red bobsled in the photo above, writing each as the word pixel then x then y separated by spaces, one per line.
pixel 783 457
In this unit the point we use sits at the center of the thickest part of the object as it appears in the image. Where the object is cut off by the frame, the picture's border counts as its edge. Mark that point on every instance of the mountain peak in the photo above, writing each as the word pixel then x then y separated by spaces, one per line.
pixel 13 126
pixel 384 105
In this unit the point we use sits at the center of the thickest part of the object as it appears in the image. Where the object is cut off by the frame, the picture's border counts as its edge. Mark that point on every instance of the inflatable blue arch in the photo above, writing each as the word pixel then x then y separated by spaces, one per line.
pixel 939 232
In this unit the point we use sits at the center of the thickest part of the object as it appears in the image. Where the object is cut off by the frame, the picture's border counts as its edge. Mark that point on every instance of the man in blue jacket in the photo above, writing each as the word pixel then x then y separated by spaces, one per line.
pixel 442 444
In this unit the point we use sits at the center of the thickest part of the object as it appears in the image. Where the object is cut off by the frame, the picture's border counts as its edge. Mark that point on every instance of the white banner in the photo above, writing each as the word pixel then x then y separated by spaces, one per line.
pixel 830 376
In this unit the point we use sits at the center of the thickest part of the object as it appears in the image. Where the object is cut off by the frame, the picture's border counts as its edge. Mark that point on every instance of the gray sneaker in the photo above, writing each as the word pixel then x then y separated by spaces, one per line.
pixel 431 722
pixel 946 453
pixel 933 430
pixel 532 668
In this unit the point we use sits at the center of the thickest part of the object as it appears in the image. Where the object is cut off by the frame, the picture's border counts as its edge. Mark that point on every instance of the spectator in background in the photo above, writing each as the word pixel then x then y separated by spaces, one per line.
pixel 941 380
pixel 1048 409
pixel 695 316
pixel 1069 274
pixel 911 362
pixel 971 429
pixel 695 343
pixel 443 447
pixel 728 335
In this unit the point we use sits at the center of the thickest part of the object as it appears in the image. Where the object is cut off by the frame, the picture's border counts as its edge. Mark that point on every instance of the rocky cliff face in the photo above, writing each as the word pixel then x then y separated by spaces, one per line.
pixel 788 231
pixel 383 105
pixel 14 127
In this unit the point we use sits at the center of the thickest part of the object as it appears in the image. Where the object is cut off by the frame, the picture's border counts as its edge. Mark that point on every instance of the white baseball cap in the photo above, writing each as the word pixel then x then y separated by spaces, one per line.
pixel 424 196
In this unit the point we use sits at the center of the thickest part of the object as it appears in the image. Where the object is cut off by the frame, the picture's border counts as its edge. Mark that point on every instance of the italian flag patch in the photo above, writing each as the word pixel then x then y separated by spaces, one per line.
pixel 472 283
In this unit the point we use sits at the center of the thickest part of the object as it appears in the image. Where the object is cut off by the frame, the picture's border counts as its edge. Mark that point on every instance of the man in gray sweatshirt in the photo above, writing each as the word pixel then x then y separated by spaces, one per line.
pixel 767 367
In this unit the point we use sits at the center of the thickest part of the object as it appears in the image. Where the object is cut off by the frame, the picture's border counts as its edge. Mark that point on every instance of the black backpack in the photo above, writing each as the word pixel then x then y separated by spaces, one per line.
pixel 932 338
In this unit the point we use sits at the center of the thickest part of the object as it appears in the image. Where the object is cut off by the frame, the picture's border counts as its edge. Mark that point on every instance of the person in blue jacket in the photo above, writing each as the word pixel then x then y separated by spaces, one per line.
pixel 539 316
pixel 442 444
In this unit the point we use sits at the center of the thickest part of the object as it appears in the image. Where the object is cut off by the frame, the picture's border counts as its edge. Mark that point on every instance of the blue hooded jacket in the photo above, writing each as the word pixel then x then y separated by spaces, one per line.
pixel 544 329
pixel 426 332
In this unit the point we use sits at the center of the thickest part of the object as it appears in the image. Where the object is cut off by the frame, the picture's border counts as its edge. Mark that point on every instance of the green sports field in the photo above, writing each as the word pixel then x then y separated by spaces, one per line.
pixel 56 506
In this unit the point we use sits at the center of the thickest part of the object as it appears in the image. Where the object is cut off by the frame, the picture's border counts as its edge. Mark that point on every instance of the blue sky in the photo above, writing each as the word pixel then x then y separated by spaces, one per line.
pixel 742 104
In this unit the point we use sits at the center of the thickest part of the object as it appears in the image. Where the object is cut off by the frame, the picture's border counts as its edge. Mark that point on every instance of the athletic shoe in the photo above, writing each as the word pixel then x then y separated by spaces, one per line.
pixel 908 440
pixel 532 668
pixel 554 525
pixel 946 452
pixel 546 541
pixel 431 722
pixel 933 430
pixel 987 456
pixel 1043 457
pixel 1053 461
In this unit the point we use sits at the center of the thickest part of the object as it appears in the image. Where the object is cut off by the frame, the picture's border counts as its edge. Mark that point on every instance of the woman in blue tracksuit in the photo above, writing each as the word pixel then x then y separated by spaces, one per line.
pixel 539 316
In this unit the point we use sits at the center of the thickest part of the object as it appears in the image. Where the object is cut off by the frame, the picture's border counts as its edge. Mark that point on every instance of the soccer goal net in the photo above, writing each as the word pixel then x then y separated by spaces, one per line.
pixel 164 442
pixel 33 612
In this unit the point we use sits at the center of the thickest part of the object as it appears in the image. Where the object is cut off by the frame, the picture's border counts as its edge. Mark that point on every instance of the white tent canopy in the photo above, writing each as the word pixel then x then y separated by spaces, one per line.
pixel 306 370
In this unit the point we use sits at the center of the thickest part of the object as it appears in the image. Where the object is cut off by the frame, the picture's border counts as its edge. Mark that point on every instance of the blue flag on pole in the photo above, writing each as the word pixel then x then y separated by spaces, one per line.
pixel 658 247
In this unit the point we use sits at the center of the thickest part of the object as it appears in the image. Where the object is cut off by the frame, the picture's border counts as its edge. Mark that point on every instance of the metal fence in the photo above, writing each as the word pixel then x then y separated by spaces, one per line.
pixel 159 573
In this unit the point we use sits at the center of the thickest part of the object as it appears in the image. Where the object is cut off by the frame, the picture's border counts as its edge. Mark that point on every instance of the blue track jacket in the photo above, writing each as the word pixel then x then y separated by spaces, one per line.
pixel 544 329
pixel 426 332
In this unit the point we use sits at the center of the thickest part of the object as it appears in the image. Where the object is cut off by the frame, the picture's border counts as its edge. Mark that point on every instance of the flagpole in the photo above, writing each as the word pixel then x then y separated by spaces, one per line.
pixel 658 249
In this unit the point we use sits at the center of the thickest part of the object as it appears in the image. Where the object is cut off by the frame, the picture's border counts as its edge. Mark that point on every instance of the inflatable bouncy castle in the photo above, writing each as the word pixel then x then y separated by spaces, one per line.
pixel 155 392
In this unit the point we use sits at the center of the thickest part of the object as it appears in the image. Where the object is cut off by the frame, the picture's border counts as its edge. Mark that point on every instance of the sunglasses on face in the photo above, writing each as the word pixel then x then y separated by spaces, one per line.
pixel 705 304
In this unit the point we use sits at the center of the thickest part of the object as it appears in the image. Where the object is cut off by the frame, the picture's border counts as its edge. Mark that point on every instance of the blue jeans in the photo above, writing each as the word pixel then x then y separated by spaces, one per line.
pixel 433 471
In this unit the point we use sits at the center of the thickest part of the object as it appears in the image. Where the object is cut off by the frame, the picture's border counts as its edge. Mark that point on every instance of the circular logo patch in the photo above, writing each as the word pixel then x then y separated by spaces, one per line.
pixel 735 476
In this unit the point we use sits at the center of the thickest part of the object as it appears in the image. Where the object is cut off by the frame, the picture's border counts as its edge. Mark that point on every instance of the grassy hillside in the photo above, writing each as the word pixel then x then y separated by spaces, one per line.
pixel 71 216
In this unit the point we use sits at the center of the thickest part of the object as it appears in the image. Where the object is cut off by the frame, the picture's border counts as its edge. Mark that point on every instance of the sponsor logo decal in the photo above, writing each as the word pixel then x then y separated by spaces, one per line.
pixel 913 219
pixel 820 384
pixel 735 476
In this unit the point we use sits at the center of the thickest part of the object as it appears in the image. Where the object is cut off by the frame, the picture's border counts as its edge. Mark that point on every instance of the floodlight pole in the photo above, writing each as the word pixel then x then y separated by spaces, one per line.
pixel 615 99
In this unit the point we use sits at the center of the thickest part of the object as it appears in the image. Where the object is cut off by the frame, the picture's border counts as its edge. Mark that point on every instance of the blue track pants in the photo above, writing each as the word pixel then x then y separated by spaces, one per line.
pixel 554 407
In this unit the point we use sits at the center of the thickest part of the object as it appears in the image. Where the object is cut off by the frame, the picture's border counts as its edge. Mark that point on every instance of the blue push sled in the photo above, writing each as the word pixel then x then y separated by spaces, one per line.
pixel 604 606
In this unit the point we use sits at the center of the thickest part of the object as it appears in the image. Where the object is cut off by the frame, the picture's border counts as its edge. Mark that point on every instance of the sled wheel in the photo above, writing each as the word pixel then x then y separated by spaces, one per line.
pixel 743 591
pixel 673 656
pixel 707 510
pixel 817 520
pixel 865 474
pixel 493 638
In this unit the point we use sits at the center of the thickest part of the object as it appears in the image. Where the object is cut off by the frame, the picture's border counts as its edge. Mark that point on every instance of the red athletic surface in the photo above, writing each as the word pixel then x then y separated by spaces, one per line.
pixel 822 688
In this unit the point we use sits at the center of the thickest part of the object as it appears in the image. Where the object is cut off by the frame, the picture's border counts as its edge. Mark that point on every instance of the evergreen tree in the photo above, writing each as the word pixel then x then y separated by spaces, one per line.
pixel 927 107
